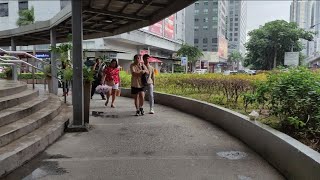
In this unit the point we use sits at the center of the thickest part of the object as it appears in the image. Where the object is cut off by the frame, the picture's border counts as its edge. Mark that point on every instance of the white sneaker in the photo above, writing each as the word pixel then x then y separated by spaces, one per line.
pixel 151 111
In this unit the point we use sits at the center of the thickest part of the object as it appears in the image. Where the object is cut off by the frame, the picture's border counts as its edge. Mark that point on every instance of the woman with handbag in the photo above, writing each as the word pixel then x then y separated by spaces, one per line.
pixel 112 79
pixel 139 71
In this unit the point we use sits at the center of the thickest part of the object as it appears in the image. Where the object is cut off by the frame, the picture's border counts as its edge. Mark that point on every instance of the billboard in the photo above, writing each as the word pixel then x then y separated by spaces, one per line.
pixel 169 27
pixel 157 28
pixel 291 58
pixel 223 48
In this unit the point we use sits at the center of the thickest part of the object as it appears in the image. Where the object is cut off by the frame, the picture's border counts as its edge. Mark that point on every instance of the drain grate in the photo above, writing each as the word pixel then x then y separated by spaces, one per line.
pixel 232 155
pixel 103 114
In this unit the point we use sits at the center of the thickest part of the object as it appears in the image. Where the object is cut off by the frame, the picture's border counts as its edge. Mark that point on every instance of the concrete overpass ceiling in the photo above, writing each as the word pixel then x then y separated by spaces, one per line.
pixel 101 18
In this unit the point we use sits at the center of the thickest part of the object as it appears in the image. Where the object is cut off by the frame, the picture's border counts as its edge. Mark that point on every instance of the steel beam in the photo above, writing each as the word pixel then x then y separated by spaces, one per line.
pixel 53 42
pixel 116 14
pixel 77 84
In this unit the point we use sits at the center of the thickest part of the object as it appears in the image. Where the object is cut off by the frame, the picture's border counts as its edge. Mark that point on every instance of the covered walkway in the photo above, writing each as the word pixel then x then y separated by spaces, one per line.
pixel 167 145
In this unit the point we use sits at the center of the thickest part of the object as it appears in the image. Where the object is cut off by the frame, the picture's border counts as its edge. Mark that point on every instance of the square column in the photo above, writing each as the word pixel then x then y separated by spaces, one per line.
pixel 77 83
pixel 54 80
pixel 14 67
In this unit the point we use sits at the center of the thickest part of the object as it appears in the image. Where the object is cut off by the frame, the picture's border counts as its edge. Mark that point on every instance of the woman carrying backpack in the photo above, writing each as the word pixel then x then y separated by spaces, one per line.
pixel 139 72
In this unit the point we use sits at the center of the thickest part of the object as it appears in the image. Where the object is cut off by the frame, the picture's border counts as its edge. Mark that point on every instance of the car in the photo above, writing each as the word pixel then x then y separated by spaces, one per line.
pixel 228 72
pixel 251 72
pixel 200 71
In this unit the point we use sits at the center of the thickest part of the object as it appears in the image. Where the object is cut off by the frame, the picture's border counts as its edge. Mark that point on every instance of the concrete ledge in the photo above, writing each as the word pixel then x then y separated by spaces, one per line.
pixel 290 157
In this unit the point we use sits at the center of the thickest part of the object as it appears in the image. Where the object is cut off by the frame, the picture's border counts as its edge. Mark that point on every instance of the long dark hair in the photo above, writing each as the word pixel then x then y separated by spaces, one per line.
pixel 114 60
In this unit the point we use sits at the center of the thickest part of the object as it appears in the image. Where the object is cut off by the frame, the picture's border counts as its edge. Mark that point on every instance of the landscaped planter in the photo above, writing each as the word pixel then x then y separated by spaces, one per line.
pixel 290 157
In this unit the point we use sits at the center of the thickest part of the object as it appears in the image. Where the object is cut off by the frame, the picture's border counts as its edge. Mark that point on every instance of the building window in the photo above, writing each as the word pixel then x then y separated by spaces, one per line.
pixel 196 20
pixel 205 27
pixel 236 29
pixel 205 3
pixel 214 40
pixel 235 39
pixel 205 11
pixel 196 4
pixel 196 41
pixel 215 23
pixel 205 19
pixel 4 10
pixel 196 12
pixel 236 24
pixel 23 5
pixel 205 50
pixel 236 19
pixel 196 28
pixel 235 34
pixel 205 40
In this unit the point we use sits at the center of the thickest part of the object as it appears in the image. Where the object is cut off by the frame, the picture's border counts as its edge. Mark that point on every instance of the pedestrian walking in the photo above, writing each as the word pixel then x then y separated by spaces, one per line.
pixel 98 74
pixel 139 73
pixel 150 82
pixel 112 79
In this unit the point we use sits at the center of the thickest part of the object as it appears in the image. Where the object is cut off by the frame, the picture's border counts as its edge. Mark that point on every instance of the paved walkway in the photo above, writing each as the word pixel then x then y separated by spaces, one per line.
pixel 167 145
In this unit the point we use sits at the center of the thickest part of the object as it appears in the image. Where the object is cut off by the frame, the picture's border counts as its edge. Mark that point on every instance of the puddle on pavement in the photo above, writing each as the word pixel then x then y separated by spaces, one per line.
pixel 232 155
pixel 241 177
pixel 103 114
pixel 38 168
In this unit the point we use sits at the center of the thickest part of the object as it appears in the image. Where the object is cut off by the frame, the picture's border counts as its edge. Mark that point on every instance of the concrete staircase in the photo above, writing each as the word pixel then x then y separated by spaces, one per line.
pixel 29 122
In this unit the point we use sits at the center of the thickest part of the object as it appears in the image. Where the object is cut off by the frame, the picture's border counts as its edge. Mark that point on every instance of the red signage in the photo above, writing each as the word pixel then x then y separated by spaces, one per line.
pixel 157 28
pixel 169 27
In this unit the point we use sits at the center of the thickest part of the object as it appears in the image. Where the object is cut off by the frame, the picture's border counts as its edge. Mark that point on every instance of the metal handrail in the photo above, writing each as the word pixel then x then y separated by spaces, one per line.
pixel 23 53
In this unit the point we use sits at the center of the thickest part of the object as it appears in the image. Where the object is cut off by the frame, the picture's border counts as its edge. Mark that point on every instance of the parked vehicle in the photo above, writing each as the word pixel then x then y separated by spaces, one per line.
pixel 200 71
pixel 251 72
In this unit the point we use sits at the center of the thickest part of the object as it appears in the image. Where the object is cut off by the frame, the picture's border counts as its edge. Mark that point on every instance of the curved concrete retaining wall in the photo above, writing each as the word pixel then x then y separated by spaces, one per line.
pixel 292 158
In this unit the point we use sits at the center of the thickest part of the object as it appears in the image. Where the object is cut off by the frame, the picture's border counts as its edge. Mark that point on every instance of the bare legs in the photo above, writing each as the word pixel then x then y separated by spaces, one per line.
pixel 138 102
pixel 111 93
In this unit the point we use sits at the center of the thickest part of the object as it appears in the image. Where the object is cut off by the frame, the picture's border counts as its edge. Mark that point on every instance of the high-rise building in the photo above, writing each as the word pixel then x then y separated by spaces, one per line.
pixel 210 29
pixel 237 24
pixel 306 15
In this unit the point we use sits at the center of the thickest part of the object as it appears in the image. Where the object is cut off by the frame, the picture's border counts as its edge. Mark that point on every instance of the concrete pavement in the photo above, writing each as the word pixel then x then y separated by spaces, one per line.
pixel 167 145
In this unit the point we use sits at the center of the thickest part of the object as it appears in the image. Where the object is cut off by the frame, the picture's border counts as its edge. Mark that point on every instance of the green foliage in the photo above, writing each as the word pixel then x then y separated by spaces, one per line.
pixel 295 99
pixel 3 76
pixel 67 74
pixel 88 74
pixel 8 72
pixel 191 52
pixel 273 40
pixel 29 76
pixel 62 50
pixel 47 70
pixel 235 57
pixel 26 17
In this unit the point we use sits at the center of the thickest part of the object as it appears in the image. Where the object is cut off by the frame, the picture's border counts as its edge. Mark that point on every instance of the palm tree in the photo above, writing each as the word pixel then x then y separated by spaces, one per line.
pixel 26 17
pixel 235 57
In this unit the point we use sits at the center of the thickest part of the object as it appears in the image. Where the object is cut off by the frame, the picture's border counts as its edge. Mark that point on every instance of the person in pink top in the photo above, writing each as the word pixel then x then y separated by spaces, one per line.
pixel 112 79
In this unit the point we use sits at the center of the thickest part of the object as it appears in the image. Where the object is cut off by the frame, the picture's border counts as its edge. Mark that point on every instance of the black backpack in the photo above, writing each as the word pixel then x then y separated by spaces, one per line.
pixel 144 78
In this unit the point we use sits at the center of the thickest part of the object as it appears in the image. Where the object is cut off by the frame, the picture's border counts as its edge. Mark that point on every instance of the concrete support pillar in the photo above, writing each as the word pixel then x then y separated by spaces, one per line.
pixel 77 84
pixel 13 44
pixel 54 82
pixel 14 67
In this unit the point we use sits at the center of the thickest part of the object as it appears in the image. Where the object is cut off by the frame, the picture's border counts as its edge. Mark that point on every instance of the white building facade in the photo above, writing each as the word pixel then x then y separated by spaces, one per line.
pixel 237 26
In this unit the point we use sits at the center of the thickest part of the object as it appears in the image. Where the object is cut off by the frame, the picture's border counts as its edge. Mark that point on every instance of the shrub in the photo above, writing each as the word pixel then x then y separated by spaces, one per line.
pixel 295 100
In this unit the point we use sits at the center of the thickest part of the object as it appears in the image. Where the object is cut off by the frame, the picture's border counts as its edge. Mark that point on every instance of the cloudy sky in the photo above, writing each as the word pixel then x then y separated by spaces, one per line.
pixel 260 12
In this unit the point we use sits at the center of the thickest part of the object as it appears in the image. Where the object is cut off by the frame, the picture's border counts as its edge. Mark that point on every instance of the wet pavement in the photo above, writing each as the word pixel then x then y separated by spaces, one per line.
pixel 167 145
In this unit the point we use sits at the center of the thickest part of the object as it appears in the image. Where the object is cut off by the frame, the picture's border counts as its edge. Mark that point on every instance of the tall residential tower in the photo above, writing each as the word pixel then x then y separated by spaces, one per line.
pixel 237 25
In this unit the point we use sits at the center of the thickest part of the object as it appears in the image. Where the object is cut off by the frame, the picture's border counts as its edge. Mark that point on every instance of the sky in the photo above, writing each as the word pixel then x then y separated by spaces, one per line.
pixel 260 12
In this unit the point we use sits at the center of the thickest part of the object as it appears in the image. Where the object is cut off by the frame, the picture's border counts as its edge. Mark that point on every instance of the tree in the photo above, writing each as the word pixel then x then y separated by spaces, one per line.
pixel 268 44
pixel 191 52
pixel 26 17
pixel 235 57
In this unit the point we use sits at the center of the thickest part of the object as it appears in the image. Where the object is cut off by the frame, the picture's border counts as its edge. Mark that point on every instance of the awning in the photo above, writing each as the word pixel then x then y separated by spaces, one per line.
pixel 154 60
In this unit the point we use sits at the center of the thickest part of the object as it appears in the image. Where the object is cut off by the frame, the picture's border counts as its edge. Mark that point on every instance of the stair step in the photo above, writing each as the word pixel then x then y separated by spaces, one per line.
pixel 8 88
pixel 17 129
pixel 19 98
pixel 23 149
pixel 15 113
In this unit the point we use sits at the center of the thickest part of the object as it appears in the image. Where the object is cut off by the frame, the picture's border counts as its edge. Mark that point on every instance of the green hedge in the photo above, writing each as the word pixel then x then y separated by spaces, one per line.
pixel 25 76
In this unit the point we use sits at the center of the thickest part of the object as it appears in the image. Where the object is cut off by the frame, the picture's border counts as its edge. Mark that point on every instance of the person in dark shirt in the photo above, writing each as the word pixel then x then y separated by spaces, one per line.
pixel 98 68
